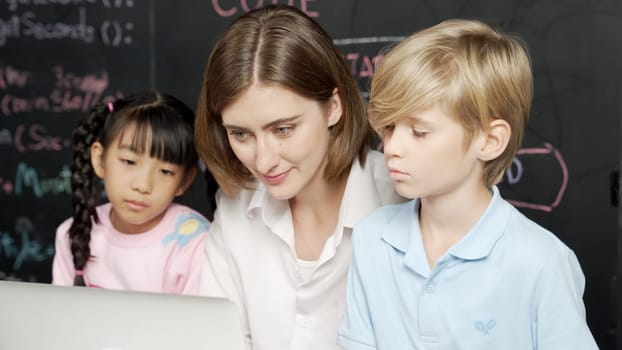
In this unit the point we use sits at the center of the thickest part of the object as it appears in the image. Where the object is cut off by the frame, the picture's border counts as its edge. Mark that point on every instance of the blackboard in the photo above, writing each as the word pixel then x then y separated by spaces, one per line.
pixel 58 57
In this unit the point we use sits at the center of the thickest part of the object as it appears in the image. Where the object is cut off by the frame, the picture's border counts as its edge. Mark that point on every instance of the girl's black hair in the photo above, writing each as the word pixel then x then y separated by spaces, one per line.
pixel 161 118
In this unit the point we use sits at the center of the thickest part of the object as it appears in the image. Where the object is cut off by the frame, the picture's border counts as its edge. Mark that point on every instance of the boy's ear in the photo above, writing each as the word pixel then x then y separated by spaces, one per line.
pixel 188 179
pixel 97 159
pixel 335 108
pixel 496 140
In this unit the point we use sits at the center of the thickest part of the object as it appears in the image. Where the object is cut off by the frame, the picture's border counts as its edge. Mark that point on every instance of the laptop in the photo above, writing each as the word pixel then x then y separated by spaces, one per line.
pixel 41 316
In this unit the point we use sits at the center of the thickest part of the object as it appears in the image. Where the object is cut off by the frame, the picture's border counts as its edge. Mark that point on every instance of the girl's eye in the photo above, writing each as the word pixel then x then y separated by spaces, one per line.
pixel 127 161
pixel 167 172
pixel 283 130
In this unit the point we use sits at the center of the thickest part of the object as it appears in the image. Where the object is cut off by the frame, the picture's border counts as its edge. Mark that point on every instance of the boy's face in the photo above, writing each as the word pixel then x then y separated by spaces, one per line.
pixel 426 155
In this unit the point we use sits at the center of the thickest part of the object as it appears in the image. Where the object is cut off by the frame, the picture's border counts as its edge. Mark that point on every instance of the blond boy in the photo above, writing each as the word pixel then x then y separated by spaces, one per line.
pixel 457 267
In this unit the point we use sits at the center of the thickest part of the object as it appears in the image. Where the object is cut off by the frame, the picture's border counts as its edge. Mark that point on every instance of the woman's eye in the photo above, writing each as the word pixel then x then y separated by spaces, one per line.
pixel 240 135
pixel 283 130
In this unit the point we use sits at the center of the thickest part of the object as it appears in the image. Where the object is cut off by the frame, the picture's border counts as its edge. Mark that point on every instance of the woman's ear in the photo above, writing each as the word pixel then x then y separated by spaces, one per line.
pixel 335 109
pixel 187 181
pixel 97 159
pixel 496 140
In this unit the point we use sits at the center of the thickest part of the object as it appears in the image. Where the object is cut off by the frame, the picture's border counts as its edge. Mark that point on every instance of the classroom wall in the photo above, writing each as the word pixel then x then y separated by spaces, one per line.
pixel 59 57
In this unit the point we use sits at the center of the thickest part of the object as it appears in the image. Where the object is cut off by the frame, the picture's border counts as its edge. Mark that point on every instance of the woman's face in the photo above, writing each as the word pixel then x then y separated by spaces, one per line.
pixel 281 136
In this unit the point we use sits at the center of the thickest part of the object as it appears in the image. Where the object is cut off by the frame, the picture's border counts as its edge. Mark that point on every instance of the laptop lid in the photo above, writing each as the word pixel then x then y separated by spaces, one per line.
pixel 41 316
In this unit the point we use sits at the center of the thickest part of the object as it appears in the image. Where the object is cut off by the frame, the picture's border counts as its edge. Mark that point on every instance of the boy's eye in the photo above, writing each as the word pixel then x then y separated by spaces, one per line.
pixel 388 129
pixel 419 133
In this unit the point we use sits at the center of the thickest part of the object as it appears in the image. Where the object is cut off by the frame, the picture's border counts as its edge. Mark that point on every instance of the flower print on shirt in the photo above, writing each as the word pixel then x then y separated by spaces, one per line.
pixel 187 227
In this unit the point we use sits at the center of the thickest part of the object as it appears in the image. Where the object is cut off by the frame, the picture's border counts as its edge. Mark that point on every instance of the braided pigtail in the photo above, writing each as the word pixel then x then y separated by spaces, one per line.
pixel 83 187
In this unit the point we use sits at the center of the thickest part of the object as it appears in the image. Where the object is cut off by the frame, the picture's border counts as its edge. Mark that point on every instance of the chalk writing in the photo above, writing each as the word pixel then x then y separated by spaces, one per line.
pixel 6 137
pixel 11 77
pixel 112 33
pixel 368 40
pixel 20 248
pixel 41 141
pixel 94 82
pixel 118 3
pixel 71 91
pixel 57 101
pixel 515 173
pixel 12 5
pixel 12 104
pixel 363 63
pixel 80 31
pixel 32 137
pixel 27 177
pixel 226 9
pixel 27 25
pixel 6 186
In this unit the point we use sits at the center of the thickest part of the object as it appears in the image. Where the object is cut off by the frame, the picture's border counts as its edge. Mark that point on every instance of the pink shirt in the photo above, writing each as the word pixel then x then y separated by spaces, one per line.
pixel 168 258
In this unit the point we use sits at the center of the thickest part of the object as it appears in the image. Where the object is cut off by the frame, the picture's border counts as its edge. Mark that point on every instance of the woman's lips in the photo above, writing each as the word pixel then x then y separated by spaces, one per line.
pixel 276 179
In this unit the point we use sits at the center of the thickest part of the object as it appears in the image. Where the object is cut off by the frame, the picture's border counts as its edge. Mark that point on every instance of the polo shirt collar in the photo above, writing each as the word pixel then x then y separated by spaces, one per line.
pixel 398 232
pixel 403 233
pixel 480 240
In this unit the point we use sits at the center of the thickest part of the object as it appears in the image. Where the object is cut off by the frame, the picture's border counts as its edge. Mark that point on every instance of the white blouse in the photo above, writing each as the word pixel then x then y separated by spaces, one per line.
pixel 306 269
pixel 251 259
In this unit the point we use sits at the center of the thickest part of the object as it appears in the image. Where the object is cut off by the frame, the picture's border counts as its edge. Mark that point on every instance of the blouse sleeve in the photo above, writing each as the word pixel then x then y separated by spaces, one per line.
pixel 220 277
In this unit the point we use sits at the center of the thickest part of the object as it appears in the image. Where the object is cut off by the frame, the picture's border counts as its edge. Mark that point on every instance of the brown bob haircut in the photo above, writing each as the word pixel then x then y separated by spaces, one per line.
pixel 277 44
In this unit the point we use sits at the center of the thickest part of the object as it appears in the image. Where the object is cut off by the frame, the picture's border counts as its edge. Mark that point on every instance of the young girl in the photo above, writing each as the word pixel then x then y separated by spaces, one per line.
pixel 142 147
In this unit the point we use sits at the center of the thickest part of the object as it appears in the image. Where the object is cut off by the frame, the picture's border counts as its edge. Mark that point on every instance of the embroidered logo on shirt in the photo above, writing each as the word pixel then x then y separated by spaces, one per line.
pixel 187 227
pixel 485 328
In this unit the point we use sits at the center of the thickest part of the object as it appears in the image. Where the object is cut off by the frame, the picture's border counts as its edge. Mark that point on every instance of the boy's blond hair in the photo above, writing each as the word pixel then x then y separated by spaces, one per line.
pixel 474 72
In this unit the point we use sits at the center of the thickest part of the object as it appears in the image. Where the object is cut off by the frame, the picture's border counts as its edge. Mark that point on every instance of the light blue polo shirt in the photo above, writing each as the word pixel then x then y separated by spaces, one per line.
pixel 508 284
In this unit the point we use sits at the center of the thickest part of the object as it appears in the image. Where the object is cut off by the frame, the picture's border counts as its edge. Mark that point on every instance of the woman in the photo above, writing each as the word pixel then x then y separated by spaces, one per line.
pixel 282 127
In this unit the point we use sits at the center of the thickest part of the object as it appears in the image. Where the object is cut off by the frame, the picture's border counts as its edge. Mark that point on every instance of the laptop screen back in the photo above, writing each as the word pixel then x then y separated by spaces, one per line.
pixel 41 316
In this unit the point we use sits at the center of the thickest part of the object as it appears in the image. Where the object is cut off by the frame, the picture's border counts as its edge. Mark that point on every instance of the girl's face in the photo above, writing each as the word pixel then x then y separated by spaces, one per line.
pixel 281 136
pixel 426 155
pixel 139 187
